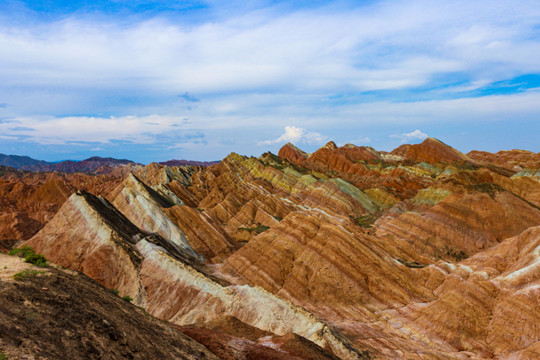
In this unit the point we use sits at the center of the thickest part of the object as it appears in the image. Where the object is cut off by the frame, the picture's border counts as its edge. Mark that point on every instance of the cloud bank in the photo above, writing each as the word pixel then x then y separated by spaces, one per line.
pixel 412 136
pixel 295 134
pixel 335 68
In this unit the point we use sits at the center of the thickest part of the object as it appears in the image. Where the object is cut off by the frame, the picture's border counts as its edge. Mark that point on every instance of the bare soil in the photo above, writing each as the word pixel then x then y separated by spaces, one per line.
pixel 65 315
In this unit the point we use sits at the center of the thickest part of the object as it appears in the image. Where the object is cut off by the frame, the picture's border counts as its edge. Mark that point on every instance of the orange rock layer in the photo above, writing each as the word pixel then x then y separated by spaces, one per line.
pixel 421 253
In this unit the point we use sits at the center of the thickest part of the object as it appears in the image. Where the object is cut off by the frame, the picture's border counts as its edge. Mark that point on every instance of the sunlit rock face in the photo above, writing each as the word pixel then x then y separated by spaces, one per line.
pixel 515 160
pixel 29 200
pixel 431 151
pixel 421 253
pixel 89 235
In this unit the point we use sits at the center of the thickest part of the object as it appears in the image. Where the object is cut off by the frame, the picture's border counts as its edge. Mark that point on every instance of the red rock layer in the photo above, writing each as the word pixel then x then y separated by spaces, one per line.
pixel 417 254
pixel 29 200
pixel 515 160
pixel 431 151
pixel 164 278
pixel 292 153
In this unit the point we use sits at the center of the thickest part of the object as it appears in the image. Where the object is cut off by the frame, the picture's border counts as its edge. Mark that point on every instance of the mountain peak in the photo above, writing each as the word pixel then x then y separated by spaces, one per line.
pixel 292 153
pixel 432 151
pixel 330 145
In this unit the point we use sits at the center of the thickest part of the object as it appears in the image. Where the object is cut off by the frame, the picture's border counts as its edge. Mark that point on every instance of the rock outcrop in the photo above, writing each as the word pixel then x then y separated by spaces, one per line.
pixel 29 200
pixel 421 253
pixel 515 160
pixel 60 314
pixel 431 151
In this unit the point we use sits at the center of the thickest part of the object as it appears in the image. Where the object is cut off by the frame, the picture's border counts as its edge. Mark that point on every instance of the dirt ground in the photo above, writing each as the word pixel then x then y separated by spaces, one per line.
pixel 61 314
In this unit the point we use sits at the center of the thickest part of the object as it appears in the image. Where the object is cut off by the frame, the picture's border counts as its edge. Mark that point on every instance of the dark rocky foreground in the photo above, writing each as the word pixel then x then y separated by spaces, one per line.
pixel 63 314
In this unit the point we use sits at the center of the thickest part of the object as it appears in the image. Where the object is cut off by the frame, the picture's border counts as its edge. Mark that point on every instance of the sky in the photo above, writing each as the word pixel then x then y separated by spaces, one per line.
pixel 156 80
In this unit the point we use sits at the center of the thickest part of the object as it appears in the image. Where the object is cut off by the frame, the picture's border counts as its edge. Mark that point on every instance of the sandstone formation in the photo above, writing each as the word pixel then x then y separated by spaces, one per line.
pixel 431 151
pixel 515 160
pixel 29 200
pixel 421 253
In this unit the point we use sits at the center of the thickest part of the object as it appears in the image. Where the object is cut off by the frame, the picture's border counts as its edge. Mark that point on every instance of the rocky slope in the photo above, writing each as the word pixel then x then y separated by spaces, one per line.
pixel 515 160
pixel 421 253
pixel 29 200
pixel 60 314
pixel 164 276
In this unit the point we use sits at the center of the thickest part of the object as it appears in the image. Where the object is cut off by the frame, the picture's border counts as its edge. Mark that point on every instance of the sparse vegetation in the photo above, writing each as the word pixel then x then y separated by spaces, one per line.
pixel 36 259
pixel 365 221
pixel 457 255
pixel 259 229
pixel 30 256
pixel 3 356
pixel 114 291
pixel 31 316
pixel 26 273
pixel 22 252
pixel 127 298
pixel 489 188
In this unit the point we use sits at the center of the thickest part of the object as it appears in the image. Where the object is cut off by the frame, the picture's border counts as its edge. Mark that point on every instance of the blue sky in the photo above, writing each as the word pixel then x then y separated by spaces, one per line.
pixel 155 80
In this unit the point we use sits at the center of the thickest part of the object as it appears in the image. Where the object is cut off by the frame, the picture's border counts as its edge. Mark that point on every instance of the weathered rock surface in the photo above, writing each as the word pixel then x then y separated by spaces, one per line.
pixel 169 283
pixel 515 160
pixel 431 151
pixel 29 200
pixel 61 314
pixel 421 253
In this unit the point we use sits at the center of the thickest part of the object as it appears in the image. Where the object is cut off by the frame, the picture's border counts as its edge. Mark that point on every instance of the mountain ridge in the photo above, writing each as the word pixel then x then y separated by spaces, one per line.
pixel 92 164
pixel 364 253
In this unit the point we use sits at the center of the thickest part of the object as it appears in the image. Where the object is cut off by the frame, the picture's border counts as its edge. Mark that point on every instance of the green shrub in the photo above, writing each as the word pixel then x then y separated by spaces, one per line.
pixel 26 273
pixel 127 298
pixel 114 291
pixel 36 259
pixel 259 229
pixel 22 252
pixel 30 256
pixel 3 356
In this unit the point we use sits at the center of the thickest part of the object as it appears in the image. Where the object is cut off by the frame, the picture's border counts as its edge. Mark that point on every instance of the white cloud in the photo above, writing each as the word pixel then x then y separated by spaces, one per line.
pixel 358 141
pixel 81 129
pixel 413 135
pixel 295 134
pixel 249 69
pixel 386 45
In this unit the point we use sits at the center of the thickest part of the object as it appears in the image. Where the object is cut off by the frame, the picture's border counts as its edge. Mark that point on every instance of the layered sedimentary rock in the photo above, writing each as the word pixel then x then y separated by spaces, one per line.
pixel 228 338
pixel 421 253
pixel 29 200
pixel 165 214
pixel 89 235
pixel 431 151
pixel 292 153
pixel 515 160
pixel 165 279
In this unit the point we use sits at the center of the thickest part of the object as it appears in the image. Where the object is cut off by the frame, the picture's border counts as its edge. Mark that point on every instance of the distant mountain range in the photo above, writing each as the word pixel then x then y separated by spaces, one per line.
pixel 189 162
pixel 88 165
